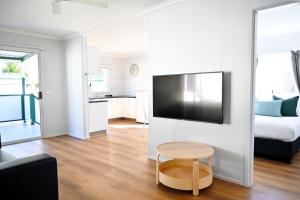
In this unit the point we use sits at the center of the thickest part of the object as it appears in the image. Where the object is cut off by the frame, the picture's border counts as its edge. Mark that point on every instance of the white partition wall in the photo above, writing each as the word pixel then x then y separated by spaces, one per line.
pixel 75 49
pixel 203 36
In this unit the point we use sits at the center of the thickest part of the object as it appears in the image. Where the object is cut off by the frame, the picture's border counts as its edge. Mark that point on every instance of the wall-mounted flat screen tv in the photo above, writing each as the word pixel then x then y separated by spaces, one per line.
pixel 196 97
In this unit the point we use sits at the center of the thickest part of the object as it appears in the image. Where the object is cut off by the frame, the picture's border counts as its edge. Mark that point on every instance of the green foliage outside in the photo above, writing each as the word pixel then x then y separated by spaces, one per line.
pixel 12 67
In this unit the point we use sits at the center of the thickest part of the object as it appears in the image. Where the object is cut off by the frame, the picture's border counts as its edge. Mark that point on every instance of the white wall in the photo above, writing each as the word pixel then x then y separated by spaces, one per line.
pixel 53 84
pixel 119 83
pixel 122 82
pixel 142 79
pixel 122 39
pixel 75 80
pixel 278 44
pixel 200 36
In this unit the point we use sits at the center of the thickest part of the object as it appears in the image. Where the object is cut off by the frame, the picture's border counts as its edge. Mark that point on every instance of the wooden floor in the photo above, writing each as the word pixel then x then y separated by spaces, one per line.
pixel 115 166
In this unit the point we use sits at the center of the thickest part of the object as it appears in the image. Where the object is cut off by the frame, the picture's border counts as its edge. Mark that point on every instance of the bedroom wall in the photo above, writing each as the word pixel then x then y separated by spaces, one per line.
pixel 53 79
pixel 200 36
pixel 278 43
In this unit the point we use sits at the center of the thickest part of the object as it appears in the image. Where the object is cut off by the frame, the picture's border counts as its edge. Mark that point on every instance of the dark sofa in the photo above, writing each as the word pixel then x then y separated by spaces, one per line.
pixel 29 178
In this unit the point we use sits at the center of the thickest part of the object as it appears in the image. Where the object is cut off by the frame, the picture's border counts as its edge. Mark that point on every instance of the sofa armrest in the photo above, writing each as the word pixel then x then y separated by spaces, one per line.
pixel 33 177
pixel 4 156
pixel 21 162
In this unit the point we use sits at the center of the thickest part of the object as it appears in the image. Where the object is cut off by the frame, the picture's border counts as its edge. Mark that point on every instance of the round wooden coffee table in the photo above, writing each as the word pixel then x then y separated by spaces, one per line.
pixel 185 172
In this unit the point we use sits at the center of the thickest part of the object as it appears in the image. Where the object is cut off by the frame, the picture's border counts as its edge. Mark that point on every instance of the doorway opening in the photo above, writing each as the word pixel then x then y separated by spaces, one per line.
pixel 19 96
pixel 117 73
pixel 276 121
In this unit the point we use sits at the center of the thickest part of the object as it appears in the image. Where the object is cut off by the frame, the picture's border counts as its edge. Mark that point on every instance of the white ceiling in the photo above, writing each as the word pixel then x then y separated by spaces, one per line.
pixel 278 21
pixel 35 16
pixel 122 40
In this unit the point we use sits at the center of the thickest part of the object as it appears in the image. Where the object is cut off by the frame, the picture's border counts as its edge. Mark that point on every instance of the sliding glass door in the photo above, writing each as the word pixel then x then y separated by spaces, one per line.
pixel 20 97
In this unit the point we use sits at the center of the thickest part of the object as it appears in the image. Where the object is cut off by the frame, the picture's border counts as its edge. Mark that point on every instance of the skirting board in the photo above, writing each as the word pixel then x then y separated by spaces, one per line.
pixel 92 134
pixel 55 135
pixel 228 179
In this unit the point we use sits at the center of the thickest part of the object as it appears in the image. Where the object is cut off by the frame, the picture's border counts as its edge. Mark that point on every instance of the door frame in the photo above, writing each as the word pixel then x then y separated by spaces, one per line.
pixel 38 51
pixel 249 173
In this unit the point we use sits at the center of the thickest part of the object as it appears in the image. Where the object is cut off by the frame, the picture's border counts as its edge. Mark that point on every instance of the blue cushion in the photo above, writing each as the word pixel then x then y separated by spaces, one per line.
pixel 268 108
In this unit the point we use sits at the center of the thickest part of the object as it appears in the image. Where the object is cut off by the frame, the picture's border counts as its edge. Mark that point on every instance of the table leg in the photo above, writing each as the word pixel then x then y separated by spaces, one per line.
pixel 195 177
pixel 157 169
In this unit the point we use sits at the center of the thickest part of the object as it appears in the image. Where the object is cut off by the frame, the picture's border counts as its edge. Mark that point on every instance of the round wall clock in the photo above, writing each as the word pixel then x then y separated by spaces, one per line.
pixel 134 69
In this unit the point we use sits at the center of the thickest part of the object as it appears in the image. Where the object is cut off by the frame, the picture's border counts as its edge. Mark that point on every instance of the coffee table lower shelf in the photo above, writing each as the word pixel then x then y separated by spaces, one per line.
pixel 179 174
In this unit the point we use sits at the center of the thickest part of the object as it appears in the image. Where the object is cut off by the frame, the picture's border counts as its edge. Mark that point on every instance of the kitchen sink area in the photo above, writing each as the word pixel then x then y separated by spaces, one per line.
pixel 113 91
pixel 110 97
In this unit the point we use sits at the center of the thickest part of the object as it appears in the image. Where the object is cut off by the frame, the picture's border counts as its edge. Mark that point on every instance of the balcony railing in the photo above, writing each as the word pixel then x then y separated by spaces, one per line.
pixel 17 107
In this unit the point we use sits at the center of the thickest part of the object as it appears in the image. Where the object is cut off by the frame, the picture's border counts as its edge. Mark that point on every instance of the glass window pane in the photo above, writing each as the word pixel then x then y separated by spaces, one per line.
pixel 274 75
pixel 100 82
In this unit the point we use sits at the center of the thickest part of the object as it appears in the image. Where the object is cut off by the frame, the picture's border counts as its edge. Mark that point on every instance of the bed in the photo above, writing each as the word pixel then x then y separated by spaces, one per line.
pixel 277 137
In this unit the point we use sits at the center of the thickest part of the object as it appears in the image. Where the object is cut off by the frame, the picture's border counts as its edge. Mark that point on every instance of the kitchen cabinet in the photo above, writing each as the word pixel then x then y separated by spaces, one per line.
pixel 110 107
pixel 98 116
pixel 121 107
pixel 128 108
pixel 114 108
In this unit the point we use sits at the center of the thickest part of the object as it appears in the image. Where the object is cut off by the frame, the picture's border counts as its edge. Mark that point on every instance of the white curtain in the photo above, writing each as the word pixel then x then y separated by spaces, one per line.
pixel 296 67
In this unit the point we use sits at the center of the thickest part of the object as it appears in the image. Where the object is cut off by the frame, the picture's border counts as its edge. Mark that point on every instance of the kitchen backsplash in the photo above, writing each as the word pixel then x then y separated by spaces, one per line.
pixel 119 87
pixel 123 87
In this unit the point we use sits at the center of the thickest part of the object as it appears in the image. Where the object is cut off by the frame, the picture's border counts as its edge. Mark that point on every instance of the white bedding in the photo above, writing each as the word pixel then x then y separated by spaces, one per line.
pixel 281 128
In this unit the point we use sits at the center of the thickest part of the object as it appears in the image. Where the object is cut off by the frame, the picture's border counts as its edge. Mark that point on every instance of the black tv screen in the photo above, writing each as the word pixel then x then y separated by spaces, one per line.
pixel 196 97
